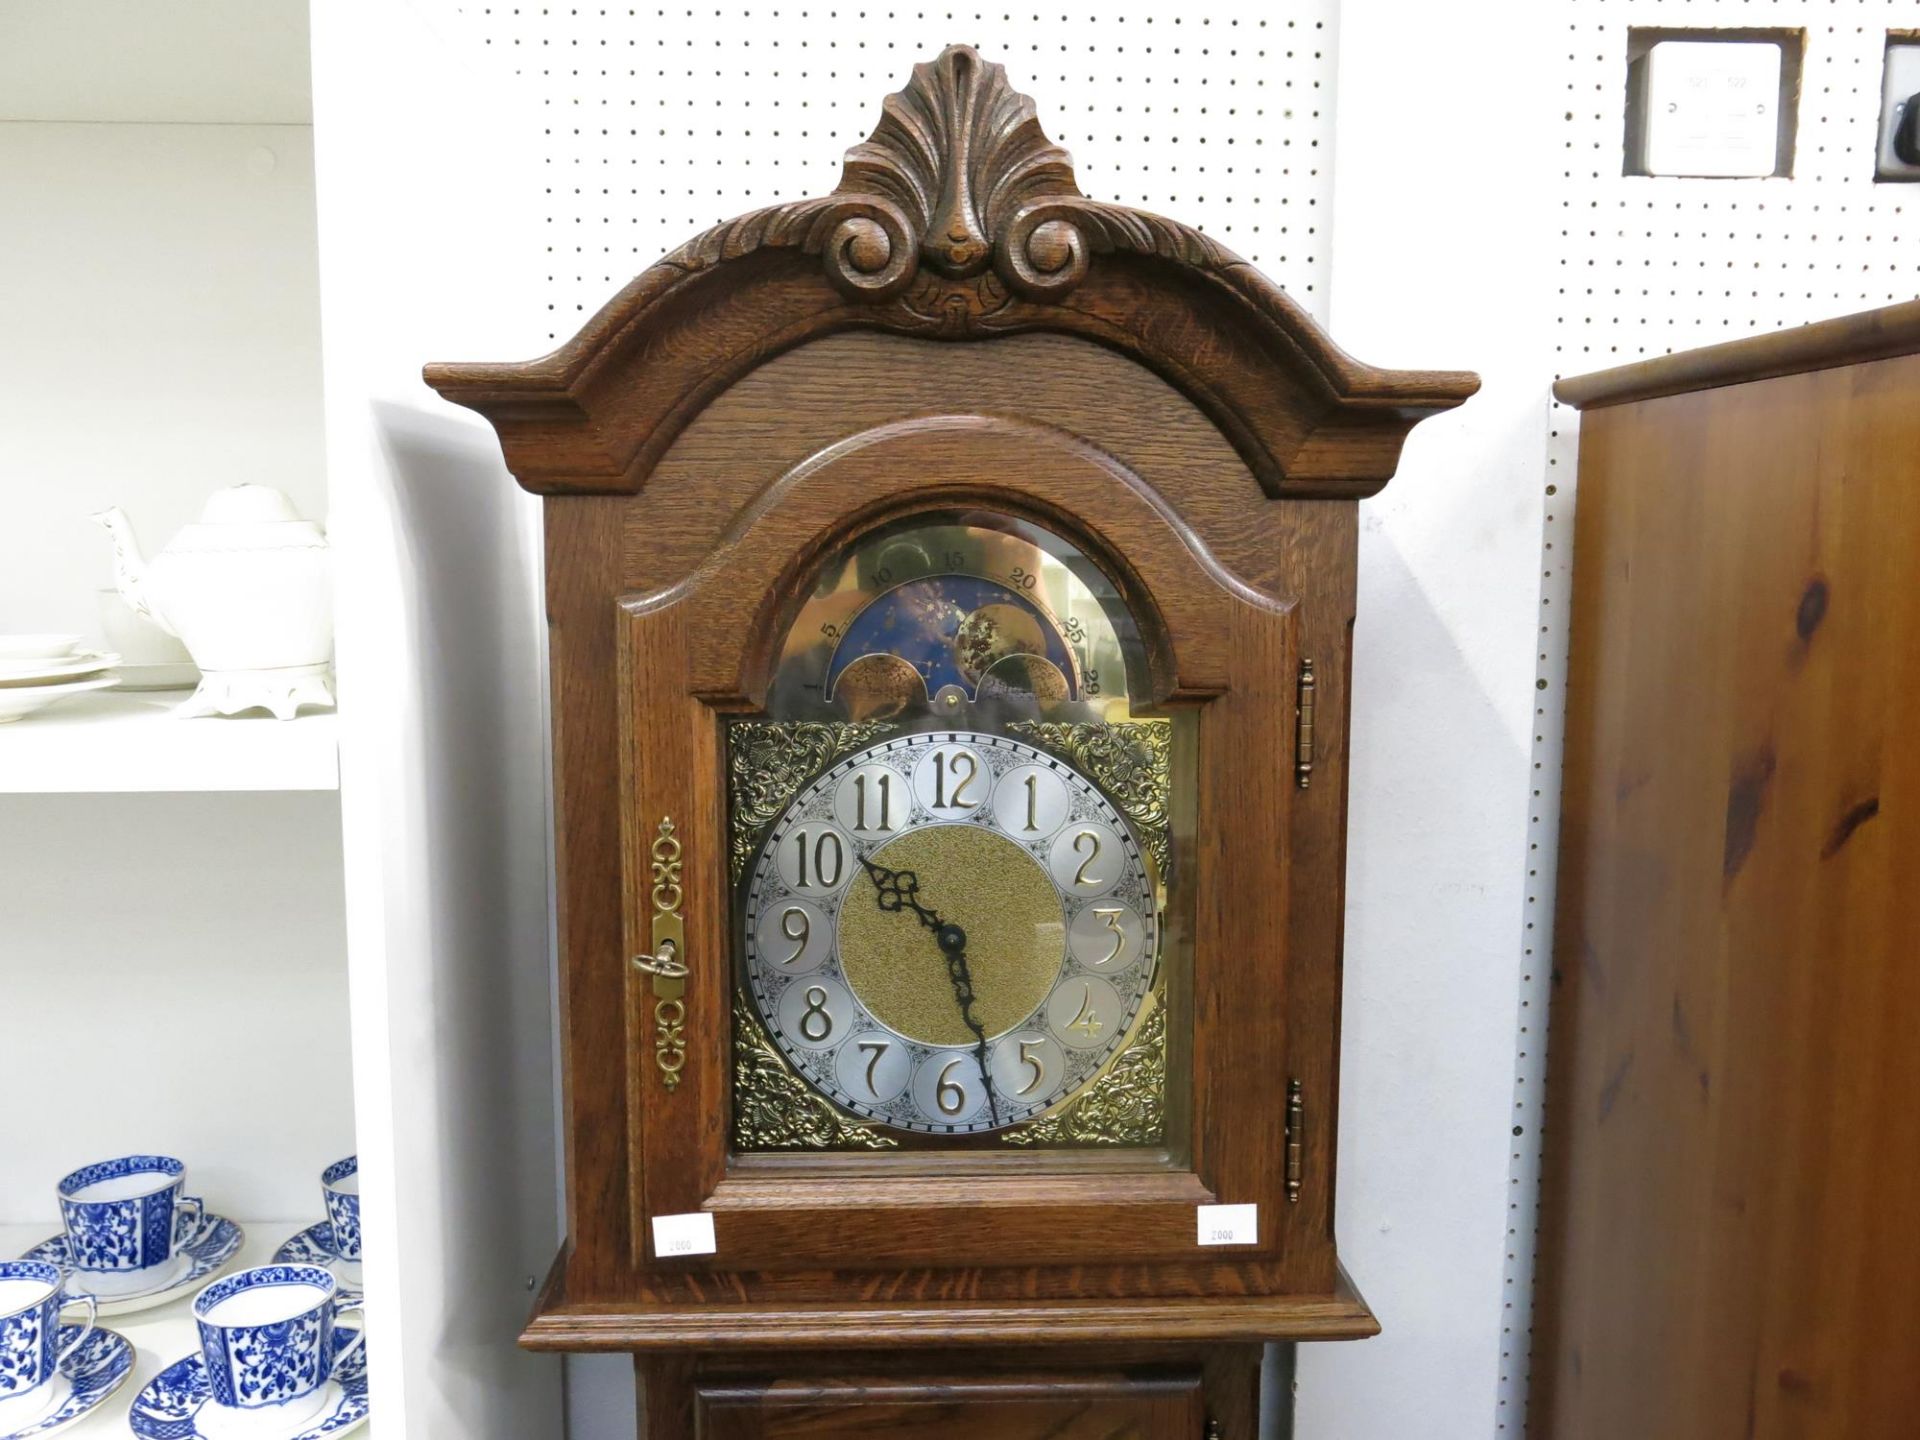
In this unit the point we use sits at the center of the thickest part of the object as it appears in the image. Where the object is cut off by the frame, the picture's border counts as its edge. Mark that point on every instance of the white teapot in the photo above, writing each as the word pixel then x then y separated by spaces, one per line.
pixel 248 589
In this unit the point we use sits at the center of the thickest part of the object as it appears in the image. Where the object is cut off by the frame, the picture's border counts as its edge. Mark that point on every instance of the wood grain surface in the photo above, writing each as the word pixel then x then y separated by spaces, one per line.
pixel 666 608
pixel 1890 331
pixel 1729 1231
pixel 1047 1406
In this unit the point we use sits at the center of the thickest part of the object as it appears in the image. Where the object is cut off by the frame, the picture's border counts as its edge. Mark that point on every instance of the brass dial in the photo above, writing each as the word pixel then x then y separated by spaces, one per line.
pixel 950 932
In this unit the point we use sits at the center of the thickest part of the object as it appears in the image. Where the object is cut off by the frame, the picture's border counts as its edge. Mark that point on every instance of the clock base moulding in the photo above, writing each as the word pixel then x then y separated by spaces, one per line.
pixel 562 1325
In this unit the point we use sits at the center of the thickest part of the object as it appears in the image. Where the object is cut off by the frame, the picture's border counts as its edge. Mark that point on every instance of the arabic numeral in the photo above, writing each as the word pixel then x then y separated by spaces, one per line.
pixel 947 1095
pixel 816 999
pixel 1023 578
pixel 1093 682
pixel 821 856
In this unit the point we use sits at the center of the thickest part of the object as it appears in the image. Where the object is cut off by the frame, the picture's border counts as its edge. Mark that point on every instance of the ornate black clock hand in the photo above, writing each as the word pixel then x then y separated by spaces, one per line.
pixel 897 890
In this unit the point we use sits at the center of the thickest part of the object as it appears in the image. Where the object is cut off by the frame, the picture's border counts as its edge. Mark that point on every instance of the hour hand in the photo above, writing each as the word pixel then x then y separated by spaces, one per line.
pixel 896 890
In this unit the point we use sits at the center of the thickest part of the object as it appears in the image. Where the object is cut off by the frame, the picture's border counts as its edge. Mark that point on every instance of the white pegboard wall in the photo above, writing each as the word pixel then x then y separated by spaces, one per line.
pixel 663 121
pixel 1646 266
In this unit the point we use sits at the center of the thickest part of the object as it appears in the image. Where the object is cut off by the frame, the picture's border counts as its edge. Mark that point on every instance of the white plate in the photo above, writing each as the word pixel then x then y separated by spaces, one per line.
pixel 68 667
pixel 36 647
pixel 183 676
pixel 96 1369
pixel 314 1246
pixel 25 699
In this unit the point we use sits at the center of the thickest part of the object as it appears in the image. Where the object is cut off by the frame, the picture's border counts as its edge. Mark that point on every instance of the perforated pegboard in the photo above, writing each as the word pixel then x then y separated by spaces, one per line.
pixel 662 121
pixel 1645 266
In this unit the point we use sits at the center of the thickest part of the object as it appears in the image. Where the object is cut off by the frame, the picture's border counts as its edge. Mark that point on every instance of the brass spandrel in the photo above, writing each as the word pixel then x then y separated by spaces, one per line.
pixel 1126 1105
pixel 1131 760
pixel 774 1109
pixel 769 760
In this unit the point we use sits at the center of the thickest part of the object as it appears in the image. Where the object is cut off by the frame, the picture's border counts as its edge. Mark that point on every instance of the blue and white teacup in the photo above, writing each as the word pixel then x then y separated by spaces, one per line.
pixel 126 1222
pixel 30 1348
pixel 266 1337
pixel 340 1184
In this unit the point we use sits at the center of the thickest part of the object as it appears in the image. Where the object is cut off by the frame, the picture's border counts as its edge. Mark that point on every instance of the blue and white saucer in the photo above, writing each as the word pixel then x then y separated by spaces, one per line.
pixel 88 1376
pixel 178 1403
pixel 199 1260
pixel 314 1246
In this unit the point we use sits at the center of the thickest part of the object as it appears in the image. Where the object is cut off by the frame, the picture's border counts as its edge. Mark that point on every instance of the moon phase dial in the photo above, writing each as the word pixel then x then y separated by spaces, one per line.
pixel 950 932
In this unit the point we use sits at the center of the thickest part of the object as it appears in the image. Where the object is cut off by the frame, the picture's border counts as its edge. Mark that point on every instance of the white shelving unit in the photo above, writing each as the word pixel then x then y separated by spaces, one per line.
pixel 127 742
pixel 176 958
pixel 253 944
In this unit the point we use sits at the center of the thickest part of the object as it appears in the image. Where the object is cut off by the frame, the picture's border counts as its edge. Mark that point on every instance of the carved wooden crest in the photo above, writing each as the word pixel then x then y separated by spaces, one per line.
pixel 956 219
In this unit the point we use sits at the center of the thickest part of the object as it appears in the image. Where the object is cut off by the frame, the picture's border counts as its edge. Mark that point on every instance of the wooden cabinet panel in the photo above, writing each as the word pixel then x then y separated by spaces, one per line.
pixel 1733 1154
pixel 1024 1407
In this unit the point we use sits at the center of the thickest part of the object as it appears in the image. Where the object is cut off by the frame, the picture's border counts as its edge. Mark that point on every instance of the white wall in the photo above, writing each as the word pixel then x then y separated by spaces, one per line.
pixel 443 721
pixel 172 972
pixel 1441 249
pixel 159 285
pixel 218 62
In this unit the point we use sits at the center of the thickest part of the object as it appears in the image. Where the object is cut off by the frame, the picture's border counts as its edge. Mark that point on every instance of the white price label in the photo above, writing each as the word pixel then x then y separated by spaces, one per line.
pixel 683 1234
pixel 1229 1224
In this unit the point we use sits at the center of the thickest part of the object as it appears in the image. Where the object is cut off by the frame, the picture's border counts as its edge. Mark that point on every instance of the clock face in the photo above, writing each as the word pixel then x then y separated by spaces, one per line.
pixel 950 932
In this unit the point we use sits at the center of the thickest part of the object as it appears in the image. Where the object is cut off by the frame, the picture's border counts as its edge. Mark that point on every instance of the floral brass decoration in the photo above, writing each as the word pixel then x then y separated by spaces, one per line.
pixel 1130 760
pixel 767 763
pixel 666 964
pixel 1127 1105
pixel 774 1109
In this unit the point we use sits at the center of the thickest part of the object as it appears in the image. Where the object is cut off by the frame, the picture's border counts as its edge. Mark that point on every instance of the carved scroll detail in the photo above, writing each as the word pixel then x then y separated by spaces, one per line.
pixel 774 1109
pixel 955 205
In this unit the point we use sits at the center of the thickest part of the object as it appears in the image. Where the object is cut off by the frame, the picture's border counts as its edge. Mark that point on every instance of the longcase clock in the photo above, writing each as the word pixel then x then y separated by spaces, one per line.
pixel 950 582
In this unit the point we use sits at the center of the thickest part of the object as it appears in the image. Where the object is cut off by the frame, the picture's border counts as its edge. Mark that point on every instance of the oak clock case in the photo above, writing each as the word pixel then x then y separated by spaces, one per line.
pixel 861 513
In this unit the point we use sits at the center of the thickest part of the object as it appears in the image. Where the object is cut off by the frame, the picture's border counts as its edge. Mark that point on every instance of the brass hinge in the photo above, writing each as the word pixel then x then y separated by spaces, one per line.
pixel 1303 730
pixel 667 963
pixel 1296 1139
pixel 1213 1431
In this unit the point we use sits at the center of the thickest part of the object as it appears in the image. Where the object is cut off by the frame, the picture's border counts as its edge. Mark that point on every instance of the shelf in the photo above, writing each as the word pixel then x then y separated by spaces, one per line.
pixel 162 1335
pixel 119 741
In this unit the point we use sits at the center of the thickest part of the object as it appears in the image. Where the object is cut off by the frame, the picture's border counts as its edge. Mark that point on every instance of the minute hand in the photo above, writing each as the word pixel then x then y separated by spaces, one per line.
pixel 896 890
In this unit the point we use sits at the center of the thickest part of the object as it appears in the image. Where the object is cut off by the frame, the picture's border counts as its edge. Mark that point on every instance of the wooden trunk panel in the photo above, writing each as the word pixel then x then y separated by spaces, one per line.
pixel 1115 1388
pixel 1733 1152
pixel 1026 1407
